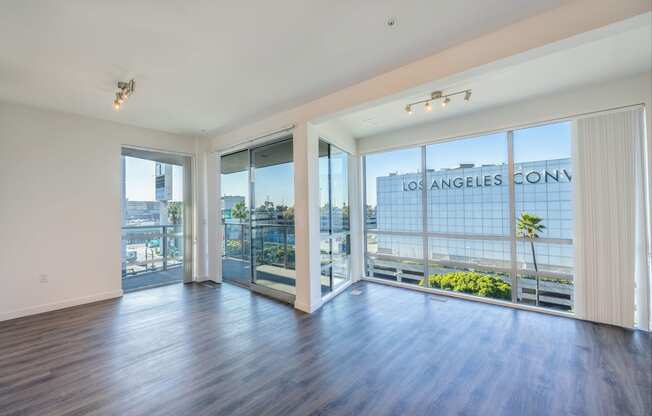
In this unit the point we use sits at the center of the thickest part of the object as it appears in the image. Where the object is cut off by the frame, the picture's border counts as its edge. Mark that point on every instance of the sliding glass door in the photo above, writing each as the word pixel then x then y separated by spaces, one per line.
pixel 257 187
pixel 272 219
pixel 156 213
pixel 236 245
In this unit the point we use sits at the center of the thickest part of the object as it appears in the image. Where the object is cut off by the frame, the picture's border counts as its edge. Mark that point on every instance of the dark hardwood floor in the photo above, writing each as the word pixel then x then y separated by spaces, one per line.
pixel 201 350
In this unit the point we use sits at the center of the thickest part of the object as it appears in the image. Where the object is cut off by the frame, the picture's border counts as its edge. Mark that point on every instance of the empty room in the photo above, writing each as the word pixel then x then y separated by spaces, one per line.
pixel 417 207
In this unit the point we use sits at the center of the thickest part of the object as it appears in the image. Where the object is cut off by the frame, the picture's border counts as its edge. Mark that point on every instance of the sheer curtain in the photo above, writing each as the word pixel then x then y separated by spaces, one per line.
pixel 612 278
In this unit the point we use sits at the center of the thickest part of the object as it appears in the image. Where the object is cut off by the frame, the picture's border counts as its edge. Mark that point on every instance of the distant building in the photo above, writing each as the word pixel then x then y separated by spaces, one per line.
pixel 142 213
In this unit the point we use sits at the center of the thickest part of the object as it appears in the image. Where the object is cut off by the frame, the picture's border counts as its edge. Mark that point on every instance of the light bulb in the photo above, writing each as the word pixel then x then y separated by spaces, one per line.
pixel 124 95
pixel 428 106
pixel 408 109
pixel 116 104
pixel 445 102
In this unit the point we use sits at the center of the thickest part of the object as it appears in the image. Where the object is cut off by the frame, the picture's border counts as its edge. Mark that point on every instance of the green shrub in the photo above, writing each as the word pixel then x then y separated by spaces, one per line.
pixel 473 283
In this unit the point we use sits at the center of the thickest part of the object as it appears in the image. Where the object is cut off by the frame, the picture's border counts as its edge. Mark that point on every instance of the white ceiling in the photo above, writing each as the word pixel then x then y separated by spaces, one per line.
pixel 211 64
pixel 612 54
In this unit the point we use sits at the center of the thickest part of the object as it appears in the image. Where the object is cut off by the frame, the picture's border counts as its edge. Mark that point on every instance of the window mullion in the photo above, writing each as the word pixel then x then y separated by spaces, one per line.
pixel 424 217
pixel 512 215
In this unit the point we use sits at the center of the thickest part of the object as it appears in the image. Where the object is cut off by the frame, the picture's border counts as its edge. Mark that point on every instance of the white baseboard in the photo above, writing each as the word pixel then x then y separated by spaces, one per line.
pixel 306 308
pixel 4 316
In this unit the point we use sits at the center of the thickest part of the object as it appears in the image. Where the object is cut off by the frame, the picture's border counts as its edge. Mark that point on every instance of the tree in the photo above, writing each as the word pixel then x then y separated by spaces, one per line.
pixel 529 226
pixel 288 214
pixel 473 283
pixel 174 212
pixel 239 211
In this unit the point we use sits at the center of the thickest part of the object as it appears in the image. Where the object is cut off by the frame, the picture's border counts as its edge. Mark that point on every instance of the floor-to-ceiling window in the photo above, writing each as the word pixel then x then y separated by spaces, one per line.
pixel 236 247
pixel 272 220
pixel 488 216
pixel 394 215
pixel 468 216
pixel 153 232
pixel 335 244
pixel 257 186
pixel 544 215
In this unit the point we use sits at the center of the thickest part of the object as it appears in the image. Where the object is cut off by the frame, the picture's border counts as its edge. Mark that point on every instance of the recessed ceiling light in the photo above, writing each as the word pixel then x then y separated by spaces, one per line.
pixel 391 21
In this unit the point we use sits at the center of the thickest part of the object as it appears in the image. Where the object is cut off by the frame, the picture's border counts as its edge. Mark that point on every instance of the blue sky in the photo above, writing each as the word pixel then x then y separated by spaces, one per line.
pixel 551 141
pixel 273 183
pixel 140 180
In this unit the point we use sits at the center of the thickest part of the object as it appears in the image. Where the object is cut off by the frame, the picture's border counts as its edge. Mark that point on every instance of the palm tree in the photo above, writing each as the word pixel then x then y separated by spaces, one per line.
pixel 239 211
pixel 529 226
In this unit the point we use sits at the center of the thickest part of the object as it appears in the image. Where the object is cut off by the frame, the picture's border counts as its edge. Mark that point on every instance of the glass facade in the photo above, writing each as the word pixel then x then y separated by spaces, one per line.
pixel 489 216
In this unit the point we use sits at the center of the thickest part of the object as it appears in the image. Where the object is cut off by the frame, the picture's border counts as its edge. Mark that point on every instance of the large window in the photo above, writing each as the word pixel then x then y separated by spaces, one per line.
pixel 258 216
pixel 488 216
pixel 335 244
pixel 393 214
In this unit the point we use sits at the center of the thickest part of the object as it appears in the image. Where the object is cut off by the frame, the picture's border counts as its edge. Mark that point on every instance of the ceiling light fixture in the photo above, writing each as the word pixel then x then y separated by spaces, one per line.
pixel 125 89
pixel 438 95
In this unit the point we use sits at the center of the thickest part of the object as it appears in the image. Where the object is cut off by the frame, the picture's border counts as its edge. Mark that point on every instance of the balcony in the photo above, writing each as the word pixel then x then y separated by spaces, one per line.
pixel 274 252
pixel 152 255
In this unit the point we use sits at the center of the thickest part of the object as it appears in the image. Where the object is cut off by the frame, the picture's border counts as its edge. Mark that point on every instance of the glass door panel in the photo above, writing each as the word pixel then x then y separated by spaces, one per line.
pixel 334 217
pixel 236 245
pixel 272 216
pixel 154 194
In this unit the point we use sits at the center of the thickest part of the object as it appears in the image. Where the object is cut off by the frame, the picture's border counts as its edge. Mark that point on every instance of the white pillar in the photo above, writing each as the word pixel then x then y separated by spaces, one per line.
pixel 209 229
pixel 356 201
pixel 306 216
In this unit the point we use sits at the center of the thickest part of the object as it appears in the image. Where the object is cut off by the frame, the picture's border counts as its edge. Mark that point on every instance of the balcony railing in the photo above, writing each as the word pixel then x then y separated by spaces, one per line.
pixel 150 248
pixel 273 244
pixel 538 288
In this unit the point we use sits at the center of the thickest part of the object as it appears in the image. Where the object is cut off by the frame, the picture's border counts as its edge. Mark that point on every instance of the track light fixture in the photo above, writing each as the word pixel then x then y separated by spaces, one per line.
pixel 438 95
pixel 125 89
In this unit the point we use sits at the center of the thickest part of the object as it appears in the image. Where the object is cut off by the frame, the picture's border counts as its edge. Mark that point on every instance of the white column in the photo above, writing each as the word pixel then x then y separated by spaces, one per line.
pixel 356 210
pixel 306 216
pixel 208 220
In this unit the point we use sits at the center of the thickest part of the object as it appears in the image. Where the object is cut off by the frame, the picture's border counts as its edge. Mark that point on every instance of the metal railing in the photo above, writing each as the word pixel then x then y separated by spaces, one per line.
pixel 272 243
pixel 150 248
pixel 551 289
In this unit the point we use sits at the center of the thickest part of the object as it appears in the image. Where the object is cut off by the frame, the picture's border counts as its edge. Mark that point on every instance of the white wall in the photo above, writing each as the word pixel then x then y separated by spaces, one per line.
pixel 60 215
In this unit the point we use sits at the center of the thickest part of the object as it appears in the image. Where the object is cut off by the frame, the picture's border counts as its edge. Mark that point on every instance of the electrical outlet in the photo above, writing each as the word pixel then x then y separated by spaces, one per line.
pixel 43 278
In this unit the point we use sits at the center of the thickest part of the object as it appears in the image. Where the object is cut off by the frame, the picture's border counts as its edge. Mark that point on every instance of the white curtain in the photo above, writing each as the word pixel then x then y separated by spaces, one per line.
pixel 610 218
